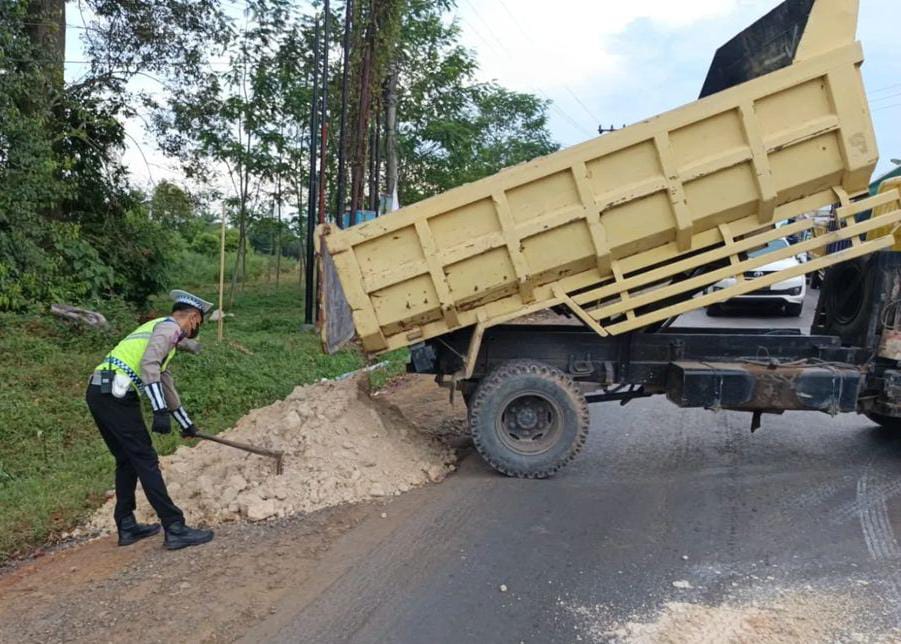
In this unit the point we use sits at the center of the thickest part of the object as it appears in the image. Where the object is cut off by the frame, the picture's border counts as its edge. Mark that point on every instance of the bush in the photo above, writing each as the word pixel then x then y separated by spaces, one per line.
pixel 205 244
pixel 51 264
pixel 141 251
pixel 191 268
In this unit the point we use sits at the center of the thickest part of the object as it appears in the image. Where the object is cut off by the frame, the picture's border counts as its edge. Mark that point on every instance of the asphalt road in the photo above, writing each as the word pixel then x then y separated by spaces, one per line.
pixel 747 317
pixel 665 505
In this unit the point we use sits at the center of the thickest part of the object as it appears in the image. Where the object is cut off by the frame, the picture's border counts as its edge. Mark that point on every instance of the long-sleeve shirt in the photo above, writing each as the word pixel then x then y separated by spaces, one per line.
pixel 166 335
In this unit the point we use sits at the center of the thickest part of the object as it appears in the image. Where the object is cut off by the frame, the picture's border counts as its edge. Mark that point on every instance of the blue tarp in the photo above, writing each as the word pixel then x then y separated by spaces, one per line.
pixel 362 215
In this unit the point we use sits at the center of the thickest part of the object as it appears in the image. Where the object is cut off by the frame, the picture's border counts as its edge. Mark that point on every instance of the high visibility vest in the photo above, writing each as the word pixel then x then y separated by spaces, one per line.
pixel 126 356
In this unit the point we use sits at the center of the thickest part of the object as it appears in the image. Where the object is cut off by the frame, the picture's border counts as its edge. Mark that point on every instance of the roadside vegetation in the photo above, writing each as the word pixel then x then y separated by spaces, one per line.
pixel 54 468
pixel 225 92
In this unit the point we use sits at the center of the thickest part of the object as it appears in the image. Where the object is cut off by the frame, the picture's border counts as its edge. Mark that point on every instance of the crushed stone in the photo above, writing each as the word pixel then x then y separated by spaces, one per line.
pixel 785 618
pixel 340 446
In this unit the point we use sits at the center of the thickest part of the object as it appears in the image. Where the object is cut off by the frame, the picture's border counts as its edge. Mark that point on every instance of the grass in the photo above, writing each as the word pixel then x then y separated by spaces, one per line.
pixel 196 268
pixel 54 468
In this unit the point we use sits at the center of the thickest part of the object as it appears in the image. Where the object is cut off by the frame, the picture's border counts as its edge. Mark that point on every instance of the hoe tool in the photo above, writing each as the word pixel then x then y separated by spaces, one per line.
pixel 278 455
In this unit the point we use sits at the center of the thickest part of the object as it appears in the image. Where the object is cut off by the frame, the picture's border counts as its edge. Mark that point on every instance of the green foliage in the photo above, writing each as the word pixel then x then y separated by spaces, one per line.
pixel 174 208
pixel 397 366
pixel 70 226
pixel 206 244
pixel 452 130
pixel 54 468
pixel 190 267
pixel 167 37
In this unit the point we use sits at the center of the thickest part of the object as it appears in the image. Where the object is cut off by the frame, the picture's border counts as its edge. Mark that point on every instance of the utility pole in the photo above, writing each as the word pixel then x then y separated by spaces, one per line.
pixel 309 296
pixel 612 128
pixel 342 142
pixel 278 239
pixel 323 149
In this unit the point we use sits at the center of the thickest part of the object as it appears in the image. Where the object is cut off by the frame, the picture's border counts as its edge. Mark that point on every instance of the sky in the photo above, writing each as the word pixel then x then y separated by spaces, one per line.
pixel 609 62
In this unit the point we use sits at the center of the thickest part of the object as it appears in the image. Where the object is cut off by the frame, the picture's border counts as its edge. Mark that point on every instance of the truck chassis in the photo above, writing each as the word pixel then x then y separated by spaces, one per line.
pixel 536 370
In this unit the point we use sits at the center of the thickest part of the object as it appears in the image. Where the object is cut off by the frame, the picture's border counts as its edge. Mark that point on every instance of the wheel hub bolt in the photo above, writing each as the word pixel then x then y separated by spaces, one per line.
pixel 526 418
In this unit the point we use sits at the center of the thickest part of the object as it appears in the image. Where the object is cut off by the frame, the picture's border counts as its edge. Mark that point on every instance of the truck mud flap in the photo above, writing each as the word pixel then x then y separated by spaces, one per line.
pixel 749 386
pixel 337 318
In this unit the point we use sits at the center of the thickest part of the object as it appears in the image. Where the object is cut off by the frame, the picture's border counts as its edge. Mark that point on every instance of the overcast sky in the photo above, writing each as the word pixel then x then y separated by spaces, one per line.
pixel 613 61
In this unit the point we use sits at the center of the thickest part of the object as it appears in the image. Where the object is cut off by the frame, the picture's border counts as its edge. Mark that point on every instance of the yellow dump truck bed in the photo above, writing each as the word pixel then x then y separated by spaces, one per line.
pixel 616 227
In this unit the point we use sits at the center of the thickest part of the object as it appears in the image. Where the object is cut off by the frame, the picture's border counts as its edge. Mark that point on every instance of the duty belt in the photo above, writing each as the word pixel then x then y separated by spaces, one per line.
pixel 135 379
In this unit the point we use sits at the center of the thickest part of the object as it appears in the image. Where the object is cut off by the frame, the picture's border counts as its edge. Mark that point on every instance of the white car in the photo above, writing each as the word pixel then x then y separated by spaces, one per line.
pixel 789 293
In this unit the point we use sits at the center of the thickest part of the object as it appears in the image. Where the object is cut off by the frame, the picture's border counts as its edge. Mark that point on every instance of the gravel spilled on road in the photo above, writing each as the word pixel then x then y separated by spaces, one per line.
pixel 783 618
pixel 340 445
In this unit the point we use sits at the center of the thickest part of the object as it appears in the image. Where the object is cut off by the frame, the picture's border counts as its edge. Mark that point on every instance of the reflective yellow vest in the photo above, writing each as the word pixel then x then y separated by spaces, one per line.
pixel 126 356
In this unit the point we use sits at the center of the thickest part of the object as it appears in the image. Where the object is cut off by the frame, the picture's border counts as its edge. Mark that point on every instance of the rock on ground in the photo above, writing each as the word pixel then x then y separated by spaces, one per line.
pixel 340 445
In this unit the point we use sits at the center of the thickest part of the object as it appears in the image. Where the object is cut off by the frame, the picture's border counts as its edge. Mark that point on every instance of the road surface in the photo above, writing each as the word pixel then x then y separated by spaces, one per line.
pixel 672 523
pixel 672 526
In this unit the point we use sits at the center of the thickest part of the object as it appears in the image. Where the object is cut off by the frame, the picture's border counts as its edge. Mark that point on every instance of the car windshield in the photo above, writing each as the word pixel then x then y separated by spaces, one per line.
pixel 776 244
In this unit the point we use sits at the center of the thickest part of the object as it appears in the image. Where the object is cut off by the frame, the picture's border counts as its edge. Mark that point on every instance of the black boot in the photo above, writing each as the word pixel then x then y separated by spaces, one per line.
pixel 130 530
pixel 178 535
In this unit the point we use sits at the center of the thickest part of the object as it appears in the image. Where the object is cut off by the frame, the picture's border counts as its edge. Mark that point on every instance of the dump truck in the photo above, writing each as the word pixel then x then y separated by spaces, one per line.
pixel 624 233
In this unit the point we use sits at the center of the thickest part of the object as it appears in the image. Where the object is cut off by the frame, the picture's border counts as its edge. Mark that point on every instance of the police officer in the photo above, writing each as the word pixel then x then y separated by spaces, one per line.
pixel 138 364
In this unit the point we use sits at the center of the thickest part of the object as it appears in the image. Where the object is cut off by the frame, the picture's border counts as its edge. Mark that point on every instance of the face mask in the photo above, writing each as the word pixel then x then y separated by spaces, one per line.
pixel 195 331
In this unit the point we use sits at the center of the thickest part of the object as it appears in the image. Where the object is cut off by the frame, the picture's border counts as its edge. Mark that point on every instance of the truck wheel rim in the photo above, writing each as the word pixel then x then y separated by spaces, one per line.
pixel 529 423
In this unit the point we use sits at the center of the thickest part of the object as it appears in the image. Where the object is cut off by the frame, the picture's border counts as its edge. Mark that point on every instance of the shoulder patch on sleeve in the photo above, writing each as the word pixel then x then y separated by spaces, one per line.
pixel 169 329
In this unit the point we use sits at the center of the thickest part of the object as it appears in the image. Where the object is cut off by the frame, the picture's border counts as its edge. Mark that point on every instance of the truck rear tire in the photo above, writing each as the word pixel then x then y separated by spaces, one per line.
pixel 890 423
pixel 528 419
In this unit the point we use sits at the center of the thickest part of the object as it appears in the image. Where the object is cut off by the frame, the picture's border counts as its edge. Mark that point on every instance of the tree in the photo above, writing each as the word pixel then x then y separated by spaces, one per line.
pixel 160 39
pixel 450 129
pixel 70 225
pixel 173 207
pixel 375 38
pixel 229 121
pixel 494 129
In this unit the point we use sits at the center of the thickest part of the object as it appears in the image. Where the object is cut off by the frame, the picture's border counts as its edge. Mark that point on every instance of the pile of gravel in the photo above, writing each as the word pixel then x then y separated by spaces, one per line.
pixel 340 445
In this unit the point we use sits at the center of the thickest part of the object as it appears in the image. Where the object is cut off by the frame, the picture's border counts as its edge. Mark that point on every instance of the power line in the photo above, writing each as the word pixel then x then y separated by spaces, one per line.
pixel 553 105
pixel 563 113
pixel 143 156
pixel 885 98
pixel 565 86
pixel 882 89
pixel 885 107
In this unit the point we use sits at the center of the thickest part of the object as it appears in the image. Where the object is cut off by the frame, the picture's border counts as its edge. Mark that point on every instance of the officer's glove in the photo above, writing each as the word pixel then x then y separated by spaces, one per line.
pixel 161 422
pixel 187 425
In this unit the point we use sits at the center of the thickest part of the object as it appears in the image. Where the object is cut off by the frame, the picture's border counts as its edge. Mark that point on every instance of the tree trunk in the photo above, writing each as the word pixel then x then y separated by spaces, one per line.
pixel 391 130
pixel 361 127
pixel 373 147
pixel 376 153
pixel 47 32
pixel 341 201
pixel 237 266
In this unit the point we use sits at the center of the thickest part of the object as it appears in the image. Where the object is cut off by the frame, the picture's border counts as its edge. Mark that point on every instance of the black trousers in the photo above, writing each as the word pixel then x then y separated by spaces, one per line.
pixel 122 426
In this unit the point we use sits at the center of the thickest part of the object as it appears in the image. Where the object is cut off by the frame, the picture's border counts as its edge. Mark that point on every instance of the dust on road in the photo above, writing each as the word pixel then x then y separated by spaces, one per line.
pixel 775 617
